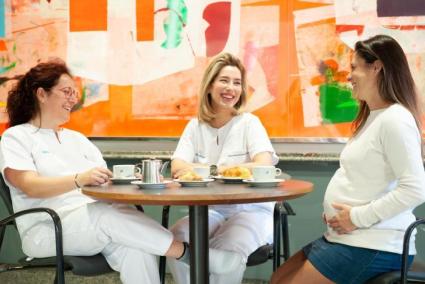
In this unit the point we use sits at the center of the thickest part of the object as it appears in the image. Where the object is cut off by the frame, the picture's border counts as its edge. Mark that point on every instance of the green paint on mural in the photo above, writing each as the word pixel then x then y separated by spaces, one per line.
pixel 4 69
pixel 79 105
pixel 173 25
pixel 337 104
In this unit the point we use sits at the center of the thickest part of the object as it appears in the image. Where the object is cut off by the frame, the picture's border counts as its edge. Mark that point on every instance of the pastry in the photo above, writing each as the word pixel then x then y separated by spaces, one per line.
pixel 190 176
pixel 239 172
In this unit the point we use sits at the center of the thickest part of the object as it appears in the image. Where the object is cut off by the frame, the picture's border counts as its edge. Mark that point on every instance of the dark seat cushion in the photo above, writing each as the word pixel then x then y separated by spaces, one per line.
pixel 259 256
pixel 80 265
pixel 416 273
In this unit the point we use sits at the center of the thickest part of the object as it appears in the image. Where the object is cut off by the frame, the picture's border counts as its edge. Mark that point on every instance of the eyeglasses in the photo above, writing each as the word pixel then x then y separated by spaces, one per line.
pixel 69 92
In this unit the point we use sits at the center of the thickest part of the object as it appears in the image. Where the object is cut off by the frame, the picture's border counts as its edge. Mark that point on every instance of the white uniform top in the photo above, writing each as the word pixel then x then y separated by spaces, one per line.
pixel 26 147
pixel 382 176
pixel 237 142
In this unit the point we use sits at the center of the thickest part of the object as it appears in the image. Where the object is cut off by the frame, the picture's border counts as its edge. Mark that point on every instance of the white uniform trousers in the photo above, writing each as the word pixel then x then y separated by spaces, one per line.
pixel 127 238
pixel 242 233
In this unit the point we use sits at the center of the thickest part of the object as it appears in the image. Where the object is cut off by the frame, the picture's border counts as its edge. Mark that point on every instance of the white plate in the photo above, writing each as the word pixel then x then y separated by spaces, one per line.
pixel 229 179
pixel 123 180
pixel 144 185
pixel 194 183
pixel 265 183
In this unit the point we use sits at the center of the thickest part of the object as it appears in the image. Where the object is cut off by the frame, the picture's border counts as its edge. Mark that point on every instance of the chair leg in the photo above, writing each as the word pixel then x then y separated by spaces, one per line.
pixel 2 233
pixel 276 237
pixel 285 236
pixel 162 259
pixel 140 208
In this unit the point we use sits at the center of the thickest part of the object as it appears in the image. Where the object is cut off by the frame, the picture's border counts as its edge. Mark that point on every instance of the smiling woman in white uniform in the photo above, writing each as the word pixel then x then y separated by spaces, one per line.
pixel 223 136
pixel 45 165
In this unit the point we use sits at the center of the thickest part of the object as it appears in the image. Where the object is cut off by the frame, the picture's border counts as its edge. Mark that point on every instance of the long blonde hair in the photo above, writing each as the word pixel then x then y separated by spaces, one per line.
pixel 206 112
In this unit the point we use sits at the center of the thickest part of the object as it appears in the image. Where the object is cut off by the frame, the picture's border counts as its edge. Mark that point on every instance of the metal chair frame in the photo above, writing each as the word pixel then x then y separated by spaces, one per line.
pixel 406 241
pixel 404 275
pixel 60 276
pixel 62 263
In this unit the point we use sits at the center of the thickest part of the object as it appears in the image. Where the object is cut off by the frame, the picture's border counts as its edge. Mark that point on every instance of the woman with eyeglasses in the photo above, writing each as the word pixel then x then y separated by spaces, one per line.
pixel 45 165
pixel 369 201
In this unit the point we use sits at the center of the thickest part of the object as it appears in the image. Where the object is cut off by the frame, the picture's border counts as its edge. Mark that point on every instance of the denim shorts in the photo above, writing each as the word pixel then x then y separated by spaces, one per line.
pixel 346 264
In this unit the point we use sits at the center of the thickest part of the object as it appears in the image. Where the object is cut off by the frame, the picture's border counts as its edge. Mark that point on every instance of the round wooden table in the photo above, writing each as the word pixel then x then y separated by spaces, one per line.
pixel 198 199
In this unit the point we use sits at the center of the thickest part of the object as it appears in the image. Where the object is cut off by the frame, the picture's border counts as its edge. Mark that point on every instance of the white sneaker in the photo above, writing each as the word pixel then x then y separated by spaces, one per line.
pixel 223 261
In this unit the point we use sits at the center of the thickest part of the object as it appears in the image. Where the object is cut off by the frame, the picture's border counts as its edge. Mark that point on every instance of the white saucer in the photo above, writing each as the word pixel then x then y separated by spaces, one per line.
pixel 123 180
pixel 194 183
pixel 264 183
pixel 143 185
pixel 229 179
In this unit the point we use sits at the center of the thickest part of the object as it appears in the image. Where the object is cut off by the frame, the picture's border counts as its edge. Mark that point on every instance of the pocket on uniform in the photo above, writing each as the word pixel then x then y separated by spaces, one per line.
pixel 45 161
pixel 238 157
pixel 200 158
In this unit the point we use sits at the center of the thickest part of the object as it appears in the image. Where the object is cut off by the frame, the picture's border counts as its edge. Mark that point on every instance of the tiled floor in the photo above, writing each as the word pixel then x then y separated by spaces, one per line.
pixel 46 275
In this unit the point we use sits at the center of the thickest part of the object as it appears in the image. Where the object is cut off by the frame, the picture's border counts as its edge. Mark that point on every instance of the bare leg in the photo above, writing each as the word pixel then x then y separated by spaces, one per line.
pixel 176 249
pixel 292 264
pixel 298 269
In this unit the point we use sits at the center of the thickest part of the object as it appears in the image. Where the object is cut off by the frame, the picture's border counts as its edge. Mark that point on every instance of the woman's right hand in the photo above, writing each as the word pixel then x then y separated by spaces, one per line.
pixel 95 176
pixel 181 172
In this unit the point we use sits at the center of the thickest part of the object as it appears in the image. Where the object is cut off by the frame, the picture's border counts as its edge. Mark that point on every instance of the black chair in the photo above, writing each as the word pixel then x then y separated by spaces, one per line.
pixel 416 273
pixel 79 265
pixel 263 253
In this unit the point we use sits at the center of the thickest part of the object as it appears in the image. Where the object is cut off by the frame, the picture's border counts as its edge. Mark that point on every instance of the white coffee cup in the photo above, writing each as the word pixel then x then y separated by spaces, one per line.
pixel 202 171
pixel 125 171
pixel 265 173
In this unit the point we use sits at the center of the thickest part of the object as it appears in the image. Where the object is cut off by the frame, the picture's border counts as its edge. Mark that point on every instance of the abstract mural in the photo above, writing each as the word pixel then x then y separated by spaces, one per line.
pixel 138 63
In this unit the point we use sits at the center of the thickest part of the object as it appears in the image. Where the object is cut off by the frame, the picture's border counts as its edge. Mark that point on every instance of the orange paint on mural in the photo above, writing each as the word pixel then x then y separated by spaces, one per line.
pixel 113 118
pixel 291 123
pixel 145 20
pixel 88 15
pixel 321 22
pixel 3 46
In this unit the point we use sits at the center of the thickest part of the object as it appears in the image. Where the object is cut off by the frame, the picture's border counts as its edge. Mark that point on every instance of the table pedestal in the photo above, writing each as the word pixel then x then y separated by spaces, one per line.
pixel 199 258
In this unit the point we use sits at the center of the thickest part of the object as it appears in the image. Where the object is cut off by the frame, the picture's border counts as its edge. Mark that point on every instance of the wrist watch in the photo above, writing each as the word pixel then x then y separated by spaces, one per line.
pixel 213 170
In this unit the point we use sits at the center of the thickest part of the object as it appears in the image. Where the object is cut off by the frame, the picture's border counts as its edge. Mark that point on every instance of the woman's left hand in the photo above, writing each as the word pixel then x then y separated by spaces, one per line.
pixel 341 222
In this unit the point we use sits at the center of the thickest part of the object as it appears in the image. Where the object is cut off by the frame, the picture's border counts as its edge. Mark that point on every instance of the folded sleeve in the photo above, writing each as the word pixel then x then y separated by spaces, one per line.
pixel 186 147
pixel 16 152
pixel 258 140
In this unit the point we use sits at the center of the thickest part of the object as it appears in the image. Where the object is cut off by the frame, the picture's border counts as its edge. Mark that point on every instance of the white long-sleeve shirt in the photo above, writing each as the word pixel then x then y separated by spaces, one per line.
pixel 382 177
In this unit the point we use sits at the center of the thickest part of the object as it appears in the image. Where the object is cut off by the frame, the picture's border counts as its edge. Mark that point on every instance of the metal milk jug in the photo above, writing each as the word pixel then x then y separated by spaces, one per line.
pixel 151 171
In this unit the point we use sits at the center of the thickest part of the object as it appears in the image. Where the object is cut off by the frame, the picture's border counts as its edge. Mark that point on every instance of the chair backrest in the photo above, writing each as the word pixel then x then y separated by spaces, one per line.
pixel 5 195
pixel 7 200
pixel 416 273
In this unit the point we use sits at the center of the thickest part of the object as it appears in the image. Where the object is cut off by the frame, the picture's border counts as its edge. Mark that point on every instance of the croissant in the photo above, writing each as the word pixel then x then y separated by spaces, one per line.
pixel 240 172
pixel 190 176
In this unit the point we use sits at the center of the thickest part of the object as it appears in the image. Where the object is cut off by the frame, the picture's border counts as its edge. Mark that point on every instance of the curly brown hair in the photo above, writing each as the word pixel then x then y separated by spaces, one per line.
pixel 22 102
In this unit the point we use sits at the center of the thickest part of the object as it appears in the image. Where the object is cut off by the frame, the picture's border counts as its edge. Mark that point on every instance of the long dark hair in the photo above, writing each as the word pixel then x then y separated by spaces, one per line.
pixel 395 81
pixel 22 102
